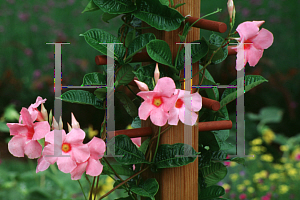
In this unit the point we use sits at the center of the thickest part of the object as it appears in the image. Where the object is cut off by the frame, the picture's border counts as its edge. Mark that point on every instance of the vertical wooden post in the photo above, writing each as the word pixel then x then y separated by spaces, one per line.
pixel 178 183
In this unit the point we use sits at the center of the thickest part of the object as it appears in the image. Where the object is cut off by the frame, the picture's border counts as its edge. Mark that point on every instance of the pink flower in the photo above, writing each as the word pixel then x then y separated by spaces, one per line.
pixel 137 141
pixel 142 86
pixel 252 43
pixel 156 73
pixel 265 197
pixel 297 157
pixel 158 102
pixel 26 136
pixel 185 102
pixel 70 148
pixel 34 112
pixel 242 196
pixel 42 165
pixel 92 166
pixel 227 163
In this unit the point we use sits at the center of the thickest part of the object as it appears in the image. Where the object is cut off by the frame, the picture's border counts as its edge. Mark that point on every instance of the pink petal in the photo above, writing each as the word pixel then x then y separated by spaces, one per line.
pixel 137 141
pixel 258 23
pixel 78 171
pixel 17 129
pixel 33 149
pixel 196 102
pixel 169 102
pixel 142 86
pixel 40 130
pixel 80 153
pixel 145 109
pixel 42 164
pixel 165 86
pixel 39 101
pixel 173 116
pixel 16 146
pixel 147 96
pixel 97 148
pixel 48 153
pixel 159 117
pixel 263 40
pixel 26 117
pixel 66 164
pixel 94 167
pixel 253 55
pixel 247 30
pixel 241 58
pixel 53 137
pixel 76 136
pixel 194 117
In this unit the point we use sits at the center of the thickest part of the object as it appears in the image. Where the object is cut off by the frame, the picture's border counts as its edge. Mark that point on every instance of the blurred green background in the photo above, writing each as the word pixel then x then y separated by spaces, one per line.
pixel 27 68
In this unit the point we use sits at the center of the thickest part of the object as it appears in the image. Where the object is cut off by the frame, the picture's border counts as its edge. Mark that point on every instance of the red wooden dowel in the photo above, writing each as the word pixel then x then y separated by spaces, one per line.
pixel 137 132
pixel 139 57
pixel 214 125
pixel 231 51
pixel 210 104
pixel 208 24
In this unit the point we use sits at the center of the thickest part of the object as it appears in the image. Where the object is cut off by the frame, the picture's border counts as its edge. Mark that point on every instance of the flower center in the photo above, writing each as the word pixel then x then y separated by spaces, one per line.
pixel 247 44
pixel 179 103
pixel 65 147
pixel 157 101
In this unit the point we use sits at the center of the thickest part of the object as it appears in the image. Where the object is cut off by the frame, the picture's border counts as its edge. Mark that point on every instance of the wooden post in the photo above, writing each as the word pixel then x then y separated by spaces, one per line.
pixel 178 183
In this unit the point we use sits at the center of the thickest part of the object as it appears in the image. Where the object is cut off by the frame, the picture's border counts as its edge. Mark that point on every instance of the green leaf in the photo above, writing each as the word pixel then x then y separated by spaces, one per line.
pixel 209 139
pixel 230 94
pixel 107 16
pixel 95 38
pixel 238 160
pixel 82 97
pixel 124 75
pixel 3 127
pixel 159 16
pixel 90 7
pixel 270 115
pixel 94 78
pixel 138 44
pixel 116 6
pixel 120 169
pixel 211 192
pixel 164 2
pixel 100 93
pixel 168 156
pixel 146 189
pixel 160 52
pixel 178 5
pixel 129 38
pixel 215 42
pixel 125 198
pixel 212 93
pixel 144 146
pixel 214 173
pixel 124 147
pixel 127 104
pixel 136 123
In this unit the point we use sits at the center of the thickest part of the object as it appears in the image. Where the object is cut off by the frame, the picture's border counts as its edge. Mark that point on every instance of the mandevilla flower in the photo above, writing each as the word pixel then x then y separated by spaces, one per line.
pixel 186 102
pixel 26 136
pixel 252 43
pixel 70 148
pixel 158 102
pixel 34 112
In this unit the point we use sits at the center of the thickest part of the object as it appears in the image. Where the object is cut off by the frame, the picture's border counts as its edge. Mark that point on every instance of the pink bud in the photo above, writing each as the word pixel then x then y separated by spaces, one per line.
pixel 75 123
pixel 44 112
pixel 156 73
pixel 54 124
pixel 60 124
pixel 69 127
pixel 142 86
pixel 230 7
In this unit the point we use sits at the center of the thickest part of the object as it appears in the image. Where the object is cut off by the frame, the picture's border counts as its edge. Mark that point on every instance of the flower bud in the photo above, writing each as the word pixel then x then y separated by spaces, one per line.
pixel 60 124
pixel 69 127
pixel 142 86
pixel 231 9
pixel 75 123
pixel 156 73
pixel 44 112
pixel 54 124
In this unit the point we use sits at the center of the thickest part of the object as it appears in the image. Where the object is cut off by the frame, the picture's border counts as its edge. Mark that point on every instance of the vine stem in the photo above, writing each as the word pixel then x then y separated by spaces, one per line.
pixel 119 185
pixel 82 190
pixel 92 189
pixel 157 143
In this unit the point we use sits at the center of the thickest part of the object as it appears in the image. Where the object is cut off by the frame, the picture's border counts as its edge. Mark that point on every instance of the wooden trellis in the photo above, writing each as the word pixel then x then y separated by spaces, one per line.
pixel 179 183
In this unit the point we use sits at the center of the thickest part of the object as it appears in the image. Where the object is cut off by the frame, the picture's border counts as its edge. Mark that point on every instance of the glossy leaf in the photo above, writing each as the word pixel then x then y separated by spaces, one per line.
pixel 160 52
pixel 230 94
pixel 164 2
pixel 169 155
pixel 100 93
pixel 126 151
pixel 129 106
pixel 107 16
pixel 129 38
pixel 209 139
pixel 90 7
pixel 215 42
pixel 116 6
pixel 146 189
pixel 211 192
pixel 120 169
pixel 124 75
pixel 144 146
pixel 214 173
pixel 213 92
pixel 94 78
pixel 136 123
pixel 159 16
pixel 82 97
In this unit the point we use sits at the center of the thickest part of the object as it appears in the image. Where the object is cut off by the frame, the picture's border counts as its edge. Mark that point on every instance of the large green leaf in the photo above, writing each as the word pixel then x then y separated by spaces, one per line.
pixel 230 94
pixel 138 44
pixel 82 97
pixel 126 151
pixel 144 146
pixel 120 169
pixel 146 189
pixel 164 2
pixel 160 52
pixel 214 173
pixel 211 192
pixel 159 16
pixel 95 38
pixel 213 92
pixel 215 42
pixel 100 93
pixel 127 104
pixel 107 16
pixel 116 6
pixel 173 155
pixel 94 78
pixel 90 7
pixel 124 75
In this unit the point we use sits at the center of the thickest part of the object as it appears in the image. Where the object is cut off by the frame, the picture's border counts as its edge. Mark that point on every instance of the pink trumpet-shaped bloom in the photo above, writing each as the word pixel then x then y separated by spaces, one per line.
pixel 68 149
pixel 26 136
pixel 252 43
pixel 34 112
pixel 156 73
pixel 142 86
pixel 158 102
pixel 185 102
pixel 92 166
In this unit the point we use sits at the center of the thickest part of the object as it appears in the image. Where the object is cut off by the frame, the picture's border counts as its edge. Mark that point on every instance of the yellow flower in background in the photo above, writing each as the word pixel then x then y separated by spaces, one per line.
pixel 256 141
pixel 250 190
pixel 283 148
pixel 263 187
pixel 292 172
pixel 247 182
pixel 129 127
pixel 226 186
pixel 258 149
pixel 298 165
pixel 273 176
pixel 288 166
pixel 92 132
pixel 278 167
pixel 295 153
pixel 234 176
pixel 263 174
pixel 283 159
pixel 267 157
pixel 233 164
pixel 283 189
pixel 105 185
pixel 240 187
pixel 268 135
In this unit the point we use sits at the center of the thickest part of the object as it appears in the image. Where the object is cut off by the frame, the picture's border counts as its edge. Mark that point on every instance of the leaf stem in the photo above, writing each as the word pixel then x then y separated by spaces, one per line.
pixel 157 143
pixel 82 190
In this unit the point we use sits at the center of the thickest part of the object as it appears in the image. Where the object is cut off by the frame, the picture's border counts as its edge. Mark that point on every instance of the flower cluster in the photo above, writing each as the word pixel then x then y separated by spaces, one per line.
pixel 67 150
pixel 166 103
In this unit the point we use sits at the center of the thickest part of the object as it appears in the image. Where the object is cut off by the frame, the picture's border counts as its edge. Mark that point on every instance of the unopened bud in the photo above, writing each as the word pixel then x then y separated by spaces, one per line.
pixel 54 124
pixel 156 73
pixel 69 127
pixel 231 9
pixel 142 86
pixel 75 123
pixel 44 112
pixel 60 124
